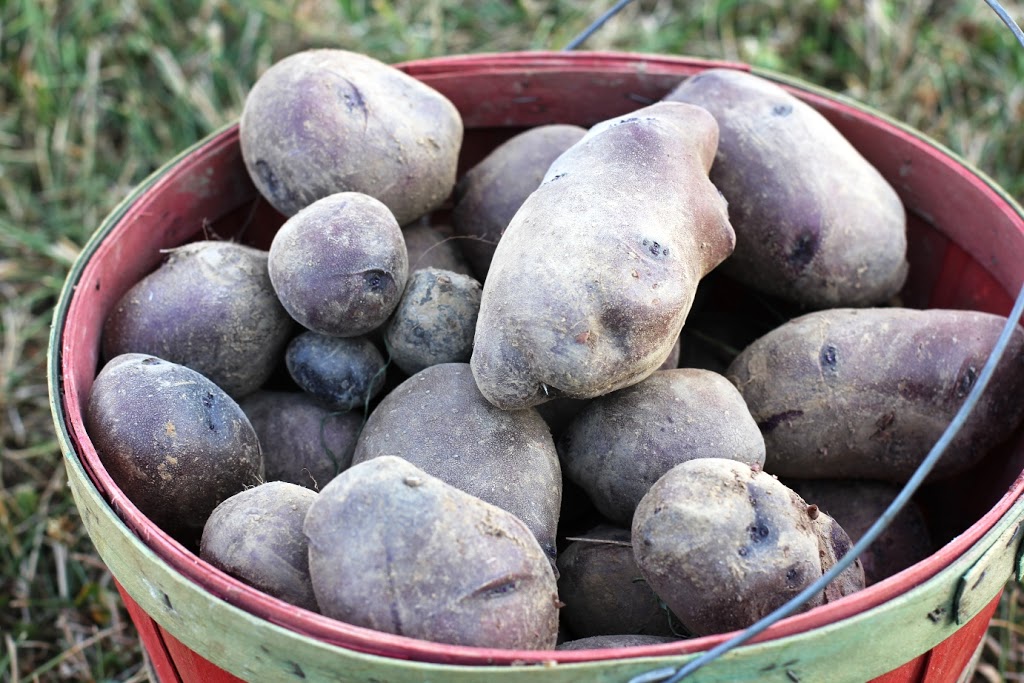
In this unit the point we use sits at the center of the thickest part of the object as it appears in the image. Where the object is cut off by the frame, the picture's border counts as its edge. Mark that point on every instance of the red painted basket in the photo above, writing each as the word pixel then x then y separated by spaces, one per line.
pixel 197 624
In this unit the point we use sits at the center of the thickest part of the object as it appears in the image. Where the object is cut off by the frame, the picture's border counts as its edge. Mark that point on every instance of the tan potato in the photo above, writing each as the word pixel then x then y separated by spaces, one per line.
pixel 324 121
pixel 724 545
pixel 623 442
pixel 394 549
pixel 593 278
pixel 866 393
pixel 815 222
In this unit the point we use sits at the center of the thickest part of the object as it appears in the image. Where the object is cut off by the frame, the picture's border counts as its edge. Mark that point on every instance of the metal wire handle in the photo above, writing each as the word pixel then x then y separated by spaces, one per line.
pixel 674 675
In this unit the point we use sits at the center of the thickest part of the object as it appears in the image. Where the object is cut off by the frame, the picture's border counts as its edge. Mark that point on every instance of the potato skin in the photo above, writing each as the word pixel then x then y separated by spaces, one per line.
pixel 439 421
pixel 339 265
pixel 724 545
pixel 613 641
pixel 256 537
pixel 434 321
pixel 490 193
pixel 324 121
pixel 394 549
pixel 815 222
pixel 303 441
pixel 594 276
pixel 174 442
pixel 856 504
pixel 211 307
pixel 344 373
pixel 623 442
pixel 866 393
pixel 430 247
pixel 603 590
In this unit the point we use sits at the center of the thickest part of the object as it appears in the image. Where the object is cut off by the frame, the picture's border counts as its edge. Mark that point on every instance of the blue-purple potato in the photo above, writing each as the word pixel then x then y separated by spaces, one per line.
pixel 430 247
pixel 395 549
pixel 324 121
pixel 815 222
pixel 866 393
pixel 303 441
pixel 339 265
pixel 613 641
pixel 489 194
pixel 439 421
pixel 724 545
pixel 603 590
pixel 856 504
pixel 623 442
pixel 434 321
pixel 256 536
pixel 344 373
pixel 211 307
pixel 174 442
pixel 594 276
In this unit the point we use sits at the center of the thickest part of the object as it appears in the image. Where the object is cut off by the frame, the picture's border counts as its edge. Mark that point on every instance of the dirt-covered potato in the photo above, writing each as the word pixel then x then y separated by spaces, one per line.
pixel 613 641
pixel 324 121
pixel 815 222
pixel 856 504
pixel 623 442
pixel 256 536
pixel 439 421
pixel 342 372
pixel 210 306
pixel 395 549
pixel 724 545
pixel 593 278
pixel 429 247
pixel 603 590
pixel 303 441
pixel 866 393
pixel 339 265
pixel 434 321
pixel 490 193
pixel 174 442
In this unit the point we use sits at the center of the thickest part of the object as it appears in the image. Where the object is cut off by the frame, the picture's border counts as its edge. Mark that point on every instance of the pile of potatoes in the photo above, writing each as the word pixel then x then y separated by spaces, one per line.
pixel 476 410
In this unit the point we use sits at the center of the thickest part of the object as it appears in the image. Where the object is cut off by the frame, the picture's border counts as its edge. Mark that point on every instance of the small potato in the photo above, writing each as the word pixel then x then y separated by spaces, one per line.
pixel 256 537
pixel 304 442
pixel 174 442
pixel 856 504
pixel 593 278
pixel 490 193
pixel 210 307
pixel 324 121
pixel 343 373
pixel 613 641
pixel 394 549
pixel 724 545
pixel 866 393
pixel 603 590
pixel 439 421
pixel 435 320
pixel 339 266
pixel 429 247
pixel 815 222
pixel 623 442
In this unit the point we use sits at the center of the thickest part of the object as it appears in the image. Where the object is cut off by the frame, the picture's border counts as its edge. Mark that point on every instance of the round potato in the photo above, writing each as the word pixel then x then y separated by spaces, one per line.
pixel 343 373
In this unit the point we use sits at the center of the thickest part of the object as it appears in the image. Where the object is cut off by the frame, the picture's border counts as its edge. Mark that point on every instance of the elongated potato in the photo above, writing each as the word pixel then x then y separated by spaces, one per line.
pixel 815 222
pixel 866 393
pixel 394 549
pixel 490 193
pixel 724 545
pixel 324 121
pixel 439 421
pixel 621 443
pixel 593 278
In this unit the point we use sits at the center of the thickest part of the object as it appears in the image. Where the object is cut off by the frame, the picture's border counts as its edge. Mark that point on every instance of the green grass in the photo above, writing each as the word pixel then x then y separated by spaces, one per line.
pixel 94 95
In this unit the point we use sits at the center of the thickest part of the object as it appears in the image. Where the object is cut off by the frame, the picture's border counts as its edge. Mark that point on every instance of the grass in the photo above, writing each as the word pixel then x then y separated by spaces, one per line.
pixel 96 94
